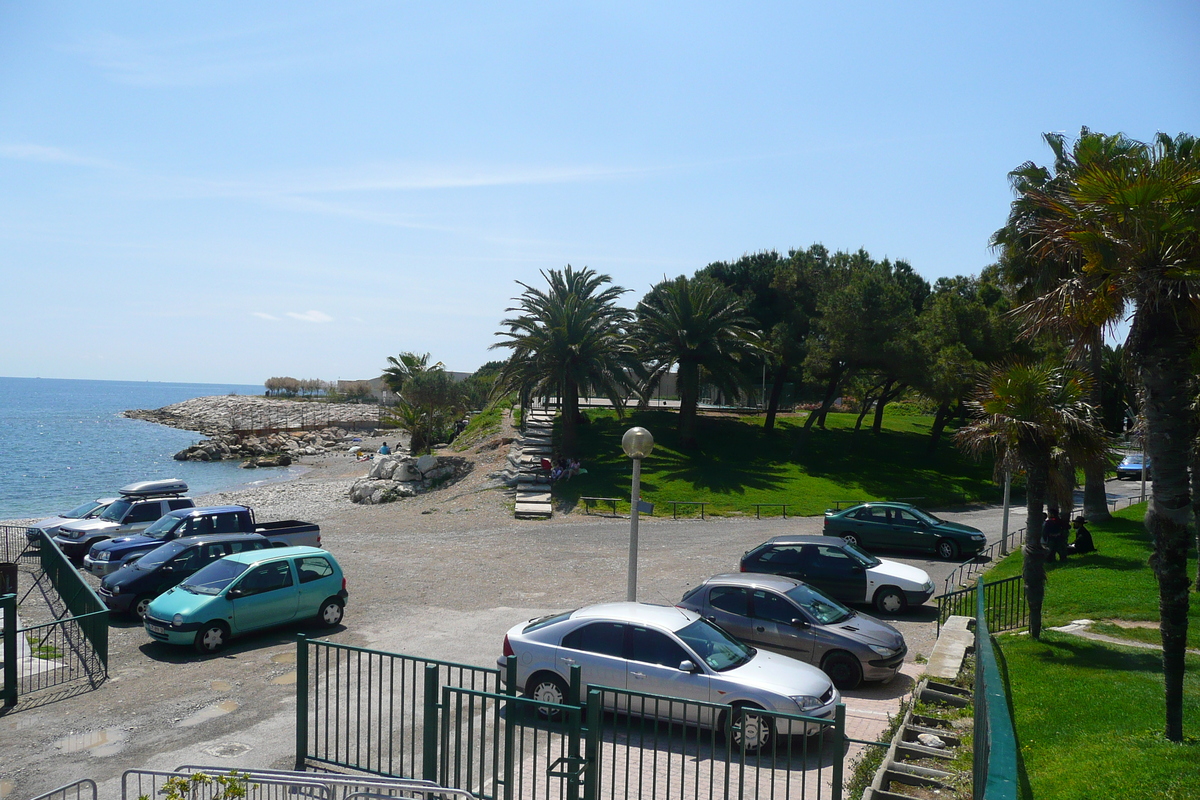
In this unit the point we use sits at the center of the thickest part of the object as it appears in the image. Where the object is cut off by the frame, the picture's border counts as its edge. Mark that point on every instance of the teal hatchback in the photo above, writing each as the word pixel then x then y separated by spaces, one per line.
pixel 246 592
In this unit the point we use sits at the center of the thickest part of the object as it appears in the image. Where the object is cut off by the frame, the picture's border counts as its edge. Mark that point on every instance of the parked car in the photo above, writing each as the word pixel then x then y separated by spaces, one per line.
pixel 131 588
pixel 794 619
pixel 674 652
pixel 1132 466
pixel 246 592
pixel 108 556
pixel 900 526
pixel 139 505
pixel 842 571
pixel 51 525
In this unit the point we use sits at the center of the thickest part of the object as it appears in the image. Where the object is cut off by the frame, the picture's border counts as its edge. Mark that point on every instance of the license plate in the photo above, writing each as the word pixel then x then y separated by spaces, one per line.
pixel 156 629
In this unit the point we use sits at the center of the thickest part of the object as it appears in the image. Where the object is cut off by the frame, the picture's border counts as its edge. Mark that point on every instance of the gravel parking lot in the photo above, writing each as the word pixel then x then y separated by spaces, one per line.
pixel 443 575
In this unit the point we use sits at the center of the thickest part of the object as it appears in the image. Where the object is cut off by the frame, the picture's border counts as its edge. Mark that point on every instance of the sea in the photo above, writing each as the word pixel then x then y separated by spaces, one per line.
pixel 63 442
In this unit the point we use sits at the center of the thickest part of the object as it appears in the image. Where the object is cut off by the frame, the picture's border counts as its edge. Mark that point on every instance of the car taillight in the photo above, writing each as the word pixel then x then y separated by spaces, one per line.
pixel 508 651
pixel 742 567
pixel 343 583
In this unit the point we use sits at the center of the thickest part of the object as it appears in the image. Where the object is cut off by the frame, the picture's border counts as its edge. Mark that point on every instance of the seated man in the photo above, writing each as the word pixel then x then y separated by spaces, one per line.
pixel 1083 539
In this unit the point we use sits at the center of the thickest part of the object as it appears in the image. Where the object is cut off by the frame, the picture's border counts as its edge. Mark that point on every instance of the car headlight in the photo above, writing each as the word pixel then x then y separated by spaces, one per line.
pixel 928 586
pixel 111 589
pixel 177 620
pixel 101 556
pixel 884 651
pixel 807 702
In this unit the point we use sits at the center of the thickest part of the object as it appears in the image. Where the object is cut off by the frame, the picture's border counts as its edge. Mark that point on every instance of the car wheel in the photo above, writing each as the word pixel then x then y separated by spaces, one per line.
pixel 546 687
pixel 212 638
pixel 756 732
pixel 140 604
pixel 946 549
pixel 843 669
pixel 850 538
pixel 331 612
pixel 890 600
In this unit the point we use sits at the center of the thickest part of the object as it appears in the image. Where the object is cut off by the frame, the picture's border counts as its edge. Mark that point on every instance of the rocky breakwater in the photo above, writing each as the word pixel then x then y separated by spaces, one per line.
pixel 263 431
pixel 396 477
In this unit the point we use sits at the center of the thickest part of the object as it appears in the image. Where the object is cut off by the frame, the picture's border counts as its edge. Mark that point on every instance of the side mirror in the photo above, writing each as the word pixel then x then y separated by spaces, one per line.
pixel 799 623
pixel 687 666
pixel 235 592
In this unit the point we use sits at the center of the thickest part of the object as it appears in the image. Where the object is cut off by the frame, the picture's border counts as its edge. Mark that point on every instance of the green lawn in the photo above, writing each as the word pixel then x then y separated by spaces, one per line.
pixel 1089 715
pixel 738 464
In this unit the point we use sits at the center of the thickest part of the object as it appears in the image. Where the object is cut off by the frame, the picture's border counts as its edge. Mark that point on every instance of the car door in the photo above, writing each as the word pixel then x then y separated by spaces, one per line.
pixel 266 596
pixel 869 525
pixel 140 517
pixel 598 649
pixel 729 608
pixel 779 626
pixel 910 532
pixel 653 660
pixel 834 572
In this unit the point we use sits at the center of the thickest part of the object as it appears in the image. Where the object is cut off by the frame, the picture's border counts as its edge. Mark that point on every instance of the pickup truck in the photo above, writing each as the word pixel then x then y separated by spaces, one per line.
pixel 107 556
pixel 139 505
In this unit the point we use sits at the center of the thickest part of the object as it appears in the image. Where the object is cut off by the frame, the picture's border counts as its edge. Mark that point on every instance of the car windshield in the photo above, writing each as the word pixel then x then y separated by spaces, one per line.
pixel 213 578
pixel 160 555
pixel 79 512
pixel 116 512
pixel 825 610
pixel 866 559
pixel 934 518
pixel 1129 461
pixel 718 649
pixel 162 527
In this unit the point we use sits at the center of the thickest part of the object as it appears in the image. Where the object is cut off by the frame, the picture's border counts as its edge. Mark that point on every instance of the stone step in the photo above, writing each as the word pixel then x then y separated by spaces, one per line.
pixel 524 495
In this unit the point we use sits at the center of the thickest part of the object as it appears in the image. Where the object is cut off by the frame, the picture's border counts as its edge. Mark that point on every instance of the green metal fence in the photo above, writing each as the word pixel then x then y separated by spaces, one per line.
pixel 995 744
pixel 397 715
pixel 87 610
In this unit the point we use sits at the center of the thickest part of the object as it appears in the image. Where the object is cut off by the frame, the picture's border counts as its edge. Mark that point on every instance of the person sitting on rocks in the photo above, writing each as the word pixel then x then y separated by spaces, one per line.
pixel 1083 539
pixel 384 450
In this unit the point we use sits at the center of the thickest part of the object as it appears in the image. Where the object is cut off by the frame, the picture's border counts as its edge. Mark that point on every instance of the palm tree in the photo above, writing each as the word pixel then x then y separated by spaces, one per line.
pixel 404 367
pixel 700 327
pixel 1125 213
pixel 568 339
pixel 1032 417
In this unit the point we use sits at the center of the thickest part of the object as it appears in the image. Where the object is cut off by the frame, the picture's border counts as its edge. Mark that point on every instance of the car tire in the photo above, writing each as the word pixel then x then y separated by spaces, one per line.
pixel 757 732
pixel 946 549
pixel 850 538
pixel 139 606
pixel 547 687
pixel 890 600
pixel 212 638
pixel 331 613
pixel 843 669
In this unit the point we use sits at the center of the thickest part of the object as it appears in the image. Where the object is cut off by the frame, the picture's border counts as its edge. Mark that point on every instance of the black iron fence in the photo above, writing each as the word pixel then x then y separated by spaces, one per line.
pixel 1003 602
pixel 967 571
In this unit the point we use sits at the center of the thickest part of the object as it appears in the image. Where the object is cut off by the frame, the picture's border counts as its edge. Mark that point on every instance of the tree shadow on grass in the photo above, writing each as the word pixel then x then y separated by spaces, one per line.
pixel 1067 650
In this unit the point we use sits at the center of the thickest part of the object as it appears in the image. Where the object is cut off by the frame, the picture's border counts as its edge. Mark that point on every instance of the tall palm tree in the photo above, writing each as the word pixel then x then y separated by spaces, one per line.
pixel 567 339
pixel 699 326
pixel 1032 417
pixel 1126 213
pixel 403 368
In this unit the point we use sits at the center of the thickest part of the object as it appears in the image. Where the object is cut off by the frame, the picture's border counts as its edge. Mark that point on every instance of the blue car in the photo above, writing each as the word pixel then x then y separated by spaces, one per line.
pixel 1131 467
pixel 247 592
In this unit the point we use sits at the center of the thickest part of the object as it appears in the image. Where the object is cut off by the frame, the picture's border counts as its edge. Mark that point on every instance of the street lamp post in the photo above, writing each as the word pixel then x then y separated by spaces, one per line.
pixel 637 444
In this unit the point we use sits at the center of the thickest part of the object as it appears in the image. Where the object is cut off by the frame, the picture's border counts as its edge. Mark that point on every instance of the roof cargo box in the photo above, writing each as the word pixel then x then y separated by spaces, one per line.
pixel 151 488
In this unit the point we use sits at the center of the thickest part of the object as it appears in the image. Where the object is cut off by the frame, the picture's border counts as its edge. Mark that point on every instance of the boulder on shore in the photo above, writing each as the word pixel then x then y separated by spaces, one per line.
pixel 395 477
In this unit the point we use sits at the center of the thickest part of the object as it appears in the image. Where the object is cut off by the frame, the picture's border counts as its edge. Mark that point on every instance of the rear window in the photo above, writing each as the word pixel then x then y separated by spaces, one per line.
pixel 313 568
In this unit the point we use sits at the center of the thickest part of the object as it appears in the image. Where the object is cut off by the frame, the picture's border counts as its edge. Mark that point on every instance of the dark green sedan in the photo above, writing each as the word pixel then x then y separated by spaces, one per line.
pixel 900 526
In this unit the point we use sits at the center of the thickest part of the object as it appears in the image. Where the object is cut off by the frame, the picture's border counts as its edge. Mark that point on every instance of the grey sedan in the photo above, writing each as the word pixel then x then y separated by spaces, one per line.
pixel 794 619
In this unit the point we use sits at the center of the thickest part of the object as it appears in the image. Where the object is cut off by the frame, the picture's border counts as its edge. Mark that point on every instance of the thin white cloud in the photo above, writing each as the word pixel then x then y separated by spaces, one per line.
pixel 310 316
pixel 265 315
pixel 48 155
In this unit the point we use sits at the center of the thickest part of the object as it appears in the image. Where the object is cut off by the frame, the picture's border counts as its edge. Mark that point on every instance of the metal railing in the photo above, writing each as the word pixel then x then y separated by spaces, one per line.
pixel 995 743
pixel 396 715
pixel 79 790
pixel 966 571
pixel 1004 602
pixel 1126 502
pixel 85 607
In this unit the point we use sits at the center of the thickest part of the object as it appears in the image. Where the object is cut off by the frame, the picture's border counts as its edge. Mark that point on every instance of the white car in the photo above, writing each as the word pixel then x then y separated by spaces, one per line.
pixel 670 651
pixel 842 571
pixel 51 525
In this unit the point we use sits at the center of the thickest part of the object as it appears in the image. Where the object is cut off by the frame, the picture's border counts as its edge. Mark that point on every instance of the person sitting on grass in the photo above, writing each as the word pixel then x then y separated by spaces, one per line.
pixel 1083 539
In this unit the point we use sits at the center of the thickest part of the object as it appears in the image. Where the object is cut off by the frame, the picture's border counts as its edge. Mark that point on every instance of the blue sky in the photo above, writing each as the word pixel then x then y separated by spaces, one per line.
pixel 225 192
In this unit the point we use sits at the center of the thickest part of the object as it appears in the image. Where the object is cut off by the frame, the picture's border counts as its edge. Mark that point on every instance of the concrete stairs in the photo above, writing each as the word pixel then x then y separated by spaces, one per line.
pixel 533 485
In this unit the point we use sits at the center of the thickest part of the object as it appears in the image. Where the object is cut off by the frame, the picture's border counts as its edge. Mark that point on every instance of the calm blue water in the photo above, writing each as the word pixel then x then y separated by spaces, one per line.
pixel 63 442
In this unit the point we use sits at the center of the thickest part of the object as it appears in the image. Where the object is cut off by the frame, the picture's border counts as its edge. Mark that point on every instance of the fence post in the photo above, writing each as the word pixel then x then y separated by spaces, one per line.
pixel 8 603
pixel 591 748
pixel 429 745
pixel 510 676
pixel 301 701
pixel 839 757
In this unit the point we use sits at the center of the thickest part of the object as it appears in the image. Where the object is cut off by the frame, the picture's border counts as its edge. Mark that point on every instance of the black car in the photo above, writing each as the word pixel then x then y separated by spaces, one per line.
pixel 131 588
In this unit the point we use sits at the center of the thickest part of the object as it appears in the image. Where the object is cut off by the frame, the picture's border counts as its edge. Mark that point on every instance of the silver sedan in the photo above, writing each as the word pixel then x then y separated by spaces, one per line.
pixel 797 620
pixel 672 652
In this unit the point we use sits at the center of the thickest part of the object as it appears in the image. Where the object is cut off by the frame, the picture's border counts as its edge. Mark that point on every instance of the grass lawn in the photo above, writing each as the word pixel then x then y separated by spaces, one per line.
pixel 1089 715
pixel 738 464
